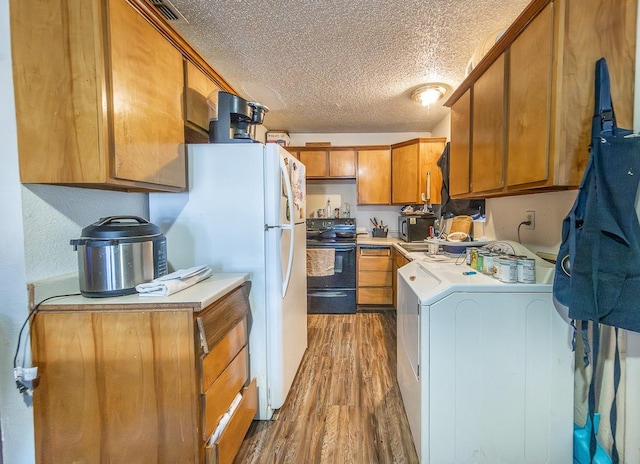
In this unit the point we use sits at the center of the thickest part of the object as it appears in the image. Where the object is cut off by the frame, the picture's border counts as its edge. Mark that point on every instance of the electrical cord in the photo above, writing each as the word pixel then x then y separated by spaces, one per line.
pixel 523 223
pixel 22 388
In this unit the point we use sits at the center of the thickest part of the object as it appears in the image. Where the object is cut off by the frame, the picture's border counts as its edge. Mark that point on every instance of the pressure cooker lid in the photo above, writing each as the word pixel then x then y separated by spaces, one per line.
pixel 114 227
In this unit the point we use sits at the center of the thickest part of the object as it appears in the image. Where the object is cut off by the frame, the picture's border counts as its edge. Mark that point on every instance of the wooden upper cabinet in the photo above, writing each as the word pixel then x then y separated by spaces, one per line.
pixel 487 166
pixel 530 59
pixel 99 94
pixel 412 163
pixel 404 169
pixel 294 152
pixel 148 124
pixel 543 69
pixel 342 163
pixel 326 163
pixel 201 96
pixel 316 163
pixel 460 147
pixel 374 176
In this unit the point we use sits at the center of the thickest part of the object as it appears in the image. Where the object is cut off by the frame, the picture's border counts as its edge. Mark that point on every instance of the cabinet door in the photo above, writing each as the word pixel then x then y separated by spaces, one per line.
pixel 295 153
pixel 404 174
pixel 147 85
pixel 315 162
pixel 201 96
pixel 108 387
pixel 430 176
pixel 460 148
pixel 58 91
pixel 374 177
pixel 530 102
pixel 487 164
pixel 342 163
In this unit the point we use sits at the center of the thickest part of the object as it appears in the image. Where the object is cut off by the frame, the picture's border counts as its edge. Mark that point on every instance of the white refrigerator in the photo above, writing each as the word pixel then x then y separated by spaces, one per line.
pixel 245 212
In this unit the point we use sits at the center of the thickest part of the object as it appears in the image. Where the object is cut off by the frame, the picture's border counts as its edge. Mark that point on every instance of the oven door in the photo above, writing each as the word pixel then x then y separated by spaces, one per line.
pixel 335 293
pixel 344 267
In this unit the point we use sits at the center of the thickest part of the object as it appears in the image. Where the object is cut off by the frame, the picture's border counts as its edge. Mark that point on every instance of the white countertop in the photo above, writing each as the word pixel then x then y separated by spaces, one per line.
pixel 368 240
pixel 196 297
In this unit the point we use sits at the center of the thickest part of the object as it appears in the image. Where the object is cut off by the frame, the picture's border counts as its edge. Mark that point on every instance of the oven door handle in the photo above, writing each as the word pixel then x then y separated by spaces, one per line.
pixel 328 294
pixel 337 248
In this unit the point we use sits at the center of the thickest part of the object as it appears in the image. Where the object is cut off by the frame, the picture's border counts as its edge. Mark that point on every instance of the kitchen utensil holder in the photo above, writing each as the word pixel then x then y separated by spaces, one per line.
pixel 381 233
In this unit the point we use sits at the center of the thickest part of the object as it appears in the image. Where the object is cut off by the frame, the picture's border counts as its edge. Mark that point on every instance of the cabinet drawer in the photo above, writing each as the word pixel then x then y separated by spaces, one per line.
pixel 374 279
pixel 381 296
pixel 221 355
pixel 374 263
pixel 386 251
pixel 217 399
pixel 225 449
pixel 215 322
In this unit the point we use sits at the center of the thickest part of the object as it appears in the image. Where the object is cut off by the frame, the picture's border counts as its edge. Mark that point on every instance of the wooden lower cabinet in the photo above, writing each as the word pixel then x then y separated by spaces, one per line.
pixel 142 384
pixel 374 275
pixel 399 260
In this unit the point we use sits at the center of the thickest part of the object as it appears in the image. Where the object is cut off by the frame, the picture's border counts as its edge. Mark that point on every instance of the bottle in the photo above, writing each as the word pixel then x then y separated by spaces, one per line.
pixel 328 213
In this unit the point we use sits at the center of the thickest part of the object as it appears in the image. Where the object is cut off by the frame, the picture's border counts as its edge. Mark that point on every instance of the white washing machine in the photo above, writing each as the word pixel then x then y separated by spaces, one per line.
pixel 485 368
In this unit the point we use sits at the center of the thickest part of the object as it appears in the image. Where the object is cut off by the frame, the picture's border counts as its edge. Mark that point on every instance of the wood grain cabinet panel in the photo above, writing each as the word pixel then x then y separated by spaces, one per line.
pixel 148 121
pixel 460 148
pixel 342 163
pixel 404 169
pixel 487 166
pixel 373 183
pixel 531 97
pixel 399 260
pixel 412 162
pixel 329 163
pixel 201 97
pixel 135 384
pixel 315 162
pixel 99 96
pixel 530 60
pixel 374 275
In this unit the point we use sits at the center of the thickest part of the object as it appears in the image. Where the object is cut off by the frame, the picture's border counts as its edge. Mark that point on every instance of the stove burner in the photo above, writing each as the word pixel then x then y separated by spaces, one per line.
pixel 339 230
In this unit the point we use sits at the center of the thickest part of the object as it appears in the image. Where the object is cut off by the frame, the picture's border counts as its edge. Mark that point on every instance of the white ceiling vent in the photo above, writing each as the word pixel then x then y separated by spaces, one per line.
pixel 170 12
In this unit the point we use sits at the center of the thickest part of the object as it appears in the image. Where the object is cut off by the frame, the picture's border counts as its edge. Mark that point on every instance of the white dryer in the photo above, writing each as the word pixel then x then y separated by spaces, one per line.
pixel 485 368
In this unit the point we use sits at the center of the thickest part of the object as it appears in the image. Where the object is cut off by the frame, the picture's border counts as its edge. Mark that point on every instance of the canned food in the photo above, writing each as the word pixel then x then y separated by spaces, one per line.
pixel 496 266
pixel 474 258
pixel 526 270
pixel 488 264
pixel 509 270
pixel 480 262
pixel 469 254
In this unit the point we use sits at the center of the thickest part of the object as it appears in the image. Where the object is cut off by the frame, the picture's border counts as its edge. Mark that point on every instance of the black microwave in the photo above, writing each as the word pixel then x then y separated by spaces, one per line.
pixel 415 228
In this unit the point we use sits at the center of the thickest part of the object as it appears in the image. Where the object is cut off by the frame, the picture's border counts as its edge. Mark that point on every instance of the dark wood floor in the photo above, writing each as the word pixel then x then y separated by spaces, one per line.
pixel 344 405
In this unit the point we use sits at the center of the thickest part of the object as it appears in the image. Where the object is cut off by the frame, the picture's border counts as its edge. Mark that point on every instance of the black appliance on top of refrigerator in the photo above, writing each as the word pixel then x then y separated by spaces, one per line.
pixel 331 266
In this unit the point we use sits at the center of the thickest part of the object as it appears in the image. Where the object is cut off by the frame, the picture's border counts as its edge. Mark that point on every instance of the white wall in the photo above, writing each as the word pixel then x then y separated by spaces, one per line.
pixel 16 418
pixel 38 222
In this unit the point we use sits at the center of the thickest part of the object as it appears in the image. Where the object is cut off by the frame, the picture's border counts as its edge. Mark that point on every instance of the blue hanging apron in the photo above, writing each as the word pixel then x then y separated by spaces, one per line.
pixel 598 267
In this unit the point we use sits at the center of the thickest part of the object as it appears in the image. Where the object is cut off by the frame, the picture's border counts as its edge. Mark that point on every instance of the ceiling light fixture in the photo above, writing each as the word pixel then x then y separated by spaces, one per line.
pixel 429 93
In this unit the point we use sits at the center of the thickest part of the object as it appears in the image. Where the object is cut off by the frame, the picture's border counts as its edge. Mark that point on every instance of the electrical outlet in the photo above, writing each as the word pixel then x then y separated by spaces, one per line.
pixel 530 216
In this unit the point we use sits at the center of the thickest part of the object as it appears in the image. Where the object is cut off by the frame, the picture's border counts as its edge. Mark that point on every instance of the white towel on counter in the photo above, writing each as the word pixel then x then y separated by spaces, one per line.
pixel 174 282
pixel 225 419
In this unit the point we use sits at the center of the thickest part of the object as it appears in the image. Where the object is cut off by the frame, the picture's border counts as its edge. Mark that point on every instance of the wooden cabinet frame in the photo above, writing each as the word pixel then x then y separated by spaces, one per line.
pixel 549 55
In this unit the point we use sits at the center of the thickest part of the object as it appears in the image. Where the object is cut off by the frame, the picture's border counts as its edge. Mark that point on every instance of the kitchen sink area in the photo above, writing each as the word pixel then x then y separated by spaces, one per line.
pixel 413 247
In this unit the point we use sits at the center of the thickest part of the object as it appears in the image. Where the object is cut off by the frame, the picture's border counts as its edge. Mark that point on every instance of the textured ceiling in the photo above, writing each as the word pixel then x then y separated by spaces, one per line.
pixel 342 65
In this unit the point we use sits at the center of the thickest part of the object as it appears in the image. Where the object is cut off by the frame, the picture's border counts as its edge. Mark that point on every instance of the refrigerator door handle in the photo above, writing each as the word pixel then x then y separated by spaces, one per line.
pixel 290 226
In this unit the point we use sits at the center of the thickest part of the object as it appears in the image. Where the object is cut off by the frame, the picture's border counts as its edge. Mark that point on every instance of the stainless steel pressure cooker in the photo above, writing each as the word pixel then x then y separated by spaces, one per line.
pixel 117 253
